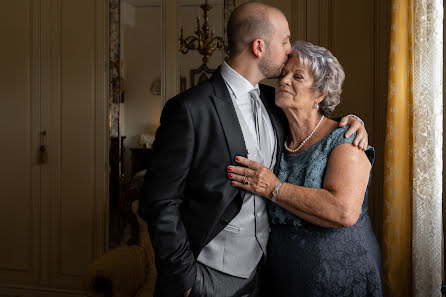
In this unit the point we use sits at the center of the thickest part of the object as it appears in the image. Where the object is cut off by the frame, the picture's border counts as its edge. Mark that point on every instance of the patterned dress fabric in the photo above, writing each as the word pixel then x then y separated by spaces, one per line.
pixel 308 260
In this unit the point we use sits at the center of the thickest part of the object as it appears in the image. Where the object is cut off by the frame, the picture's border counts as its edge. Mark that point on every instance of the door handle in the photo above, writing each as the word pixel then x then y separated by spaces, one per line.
pixel 43 154
pixel 43 158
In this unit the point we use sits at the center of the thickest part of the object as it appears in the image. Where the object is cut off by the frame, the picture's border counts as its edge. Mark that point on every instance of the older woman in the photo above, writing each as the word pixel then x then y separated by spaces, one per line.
pixel 321 241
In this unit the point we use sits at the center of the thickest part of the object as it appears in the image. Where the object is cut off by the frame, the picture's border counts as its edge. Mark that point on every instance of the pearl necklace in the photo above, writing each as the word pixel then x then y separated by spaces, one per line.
pixel 305 140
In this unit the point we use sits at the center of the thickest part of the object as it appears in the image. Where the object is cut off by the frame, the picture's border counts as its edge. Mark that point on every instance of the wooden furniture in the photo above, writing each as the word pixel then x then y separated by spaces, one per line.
pixel 140 159
pixel 127 271
pixel 123 192
pixel 55 100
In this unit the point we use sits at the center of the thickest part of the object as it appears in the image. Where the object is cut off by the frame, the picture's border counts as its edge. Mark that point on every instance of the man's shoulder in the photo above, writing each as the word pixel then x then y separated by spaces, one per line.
pixel 204 87
pixel 195 94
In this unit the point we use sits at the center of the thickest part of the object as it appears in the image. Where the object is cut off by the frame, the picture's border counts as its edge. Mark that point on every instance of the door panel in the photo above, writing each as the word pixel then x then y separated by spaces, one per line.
pixel 75 142
pixel 19 129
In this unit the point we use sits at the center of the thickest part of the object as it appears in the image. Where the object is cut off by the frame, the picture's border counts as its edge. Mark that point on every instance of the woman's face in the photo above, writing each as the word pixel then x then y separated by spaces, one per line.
pixel 293 89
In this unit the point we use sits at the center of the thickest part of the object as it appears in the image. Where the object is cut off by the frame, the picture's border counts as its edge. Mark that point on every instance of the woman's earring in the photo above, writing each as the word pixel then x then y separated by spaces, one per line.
pixel 316 105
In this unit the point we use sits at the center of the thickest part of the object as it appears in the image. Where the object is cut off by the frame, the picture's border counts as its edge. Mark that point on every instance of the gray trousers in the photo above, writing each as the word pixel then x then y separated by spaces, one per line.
pixel 213 283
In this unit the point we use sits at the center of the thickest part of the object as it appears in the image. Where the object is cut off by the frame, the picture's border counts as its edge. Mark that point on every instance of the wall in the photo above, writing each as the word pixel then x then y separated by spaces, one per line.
pixel 141 69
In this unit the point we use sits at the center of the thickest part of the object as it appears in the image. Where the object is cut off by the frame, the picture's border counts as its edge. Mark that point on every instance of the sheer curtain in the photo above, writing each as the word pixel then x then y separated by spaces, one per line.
pixel 427 150
pixel 412 229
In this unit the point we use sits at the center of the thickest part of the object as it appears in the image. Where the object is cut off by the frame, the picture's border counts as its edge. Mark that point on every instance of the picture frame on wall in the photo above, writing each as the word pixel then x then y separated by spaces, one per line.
pixel 182 83
pixel 200 75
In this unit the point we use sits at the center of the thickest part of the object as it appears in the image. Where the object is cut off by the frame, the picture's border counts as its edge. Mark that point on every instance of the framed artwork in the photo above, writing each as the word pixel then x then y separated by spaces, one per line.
pixel 182 83
pixel 199 75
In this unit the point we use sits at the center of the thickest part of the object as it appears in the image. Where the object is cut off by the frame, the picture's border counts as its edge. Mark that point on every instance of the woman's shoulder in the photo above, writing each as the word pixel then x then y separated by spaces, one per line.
pixel 337 137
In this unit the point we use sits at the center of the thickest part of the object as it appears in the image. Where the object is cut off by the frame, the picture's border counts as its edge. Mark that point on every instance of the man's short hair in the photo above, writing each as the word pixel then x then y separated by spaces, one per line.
pixel 244 27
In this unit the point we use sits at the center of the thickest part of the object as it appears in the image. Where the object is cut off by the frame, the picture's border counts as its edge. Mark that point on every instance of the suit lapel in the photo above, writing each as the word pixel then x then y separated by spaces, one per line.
pixel 228 117
pixel 231 126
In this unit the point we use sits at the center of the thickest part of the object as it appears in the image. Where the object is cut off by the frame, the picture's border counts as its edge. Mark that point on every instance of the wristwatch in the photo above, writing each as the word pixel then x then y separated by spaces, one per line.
pixel 276 192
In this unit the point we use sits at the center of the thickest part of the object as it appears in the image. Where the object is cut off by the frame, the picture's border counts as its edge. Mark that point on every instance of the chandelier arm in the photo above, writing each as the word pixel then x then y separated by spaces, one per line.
pixel 205 42
pixel 219 42
pixel 190 41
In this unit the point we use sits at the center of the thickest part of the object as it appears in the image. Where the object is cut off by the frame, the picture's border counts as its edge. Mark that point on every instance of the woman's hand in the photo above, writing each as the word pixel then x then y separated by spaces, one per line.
pixel 254 178
pixel 187 293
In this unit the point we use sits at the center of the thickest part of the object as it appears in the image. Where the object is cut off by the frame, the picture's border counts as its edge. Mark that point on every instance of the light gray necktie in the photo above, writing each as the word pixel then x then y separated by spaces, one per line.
pixel 263 139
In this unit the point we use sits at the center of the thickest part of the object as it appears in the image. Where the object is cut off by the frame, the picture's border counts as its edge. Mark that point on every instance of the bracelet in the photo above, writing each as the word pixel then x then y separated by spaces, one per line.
pixel 276 192
pixel 356 117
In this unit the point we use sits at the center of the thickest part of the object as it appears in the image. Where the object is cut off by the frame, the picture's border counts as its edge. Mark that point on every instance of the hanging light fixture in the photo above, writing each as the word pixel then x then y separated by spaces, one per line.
pixel 204 42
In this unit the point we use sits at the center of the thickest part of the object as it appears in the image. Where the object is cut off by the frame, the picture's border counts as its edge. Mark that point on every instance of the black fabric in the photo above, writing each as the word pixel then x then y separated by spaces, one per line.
pixel 187 198
pixel 213 283
pixel 311 261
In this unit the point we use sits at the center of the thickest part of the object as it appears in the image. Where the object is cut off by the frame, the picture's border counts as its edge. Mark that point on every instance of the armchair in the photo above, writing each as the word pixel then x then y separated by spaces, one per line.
pixel 125 271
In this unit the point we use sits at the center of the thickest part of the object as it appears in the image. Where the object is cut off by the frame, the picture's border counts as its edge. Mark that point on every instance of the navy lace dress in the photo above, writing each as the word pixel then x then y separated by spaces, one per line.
pixel 308 260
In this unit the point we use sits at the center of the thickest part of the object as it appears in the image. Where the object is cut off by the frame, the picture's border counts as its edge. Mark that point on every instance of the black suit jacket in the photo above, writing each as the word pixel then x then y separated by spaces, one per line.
pixel 187 198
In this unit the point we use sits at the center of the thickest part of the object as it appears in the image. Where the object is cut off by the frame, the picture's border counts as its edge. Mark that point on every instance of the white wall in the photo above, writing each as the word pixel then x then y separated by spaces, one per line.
pixel 141 61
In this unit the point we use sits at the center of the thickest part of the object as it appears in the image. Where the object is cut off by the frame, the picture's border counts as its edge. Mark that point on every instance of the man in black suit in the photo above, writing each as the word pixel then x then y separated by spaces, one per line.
pixel 188 202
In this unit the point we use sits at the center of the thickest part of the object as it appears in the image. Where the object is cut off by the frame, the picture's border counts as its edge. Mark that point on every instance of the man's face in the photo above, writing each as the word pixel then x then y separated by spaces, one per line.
pixel 279 48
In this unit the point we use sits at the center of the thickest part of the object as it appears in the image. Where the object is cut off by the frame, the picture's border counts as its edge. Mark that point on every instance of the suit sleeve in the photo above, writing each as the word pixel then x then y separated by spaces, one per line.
pixel 163 189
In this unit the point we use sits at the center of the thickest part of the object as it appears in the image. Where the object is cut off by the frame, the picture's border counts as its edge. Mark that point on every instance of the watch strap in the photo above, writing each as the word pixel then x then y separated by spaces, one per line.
pixel 276 192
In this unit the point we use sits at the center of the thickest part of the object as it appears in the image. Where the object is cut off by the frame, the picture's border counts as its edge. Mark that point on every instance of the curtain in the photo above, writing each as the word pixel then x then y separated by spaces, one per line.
pixel 413 151
pixel 398 162
pixel 427 150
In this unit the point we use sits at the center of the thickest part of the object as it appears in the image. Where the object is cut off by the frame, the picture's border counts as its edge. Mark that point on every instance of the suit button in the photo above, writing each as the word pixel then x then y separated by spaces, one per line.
pixel 259 234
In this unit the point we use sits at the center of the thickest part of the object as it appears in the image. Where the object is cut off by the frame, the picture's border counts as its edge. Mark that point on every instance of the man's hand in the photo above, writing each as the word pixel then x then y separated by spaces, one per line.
pixel 186 294
pixel 362 139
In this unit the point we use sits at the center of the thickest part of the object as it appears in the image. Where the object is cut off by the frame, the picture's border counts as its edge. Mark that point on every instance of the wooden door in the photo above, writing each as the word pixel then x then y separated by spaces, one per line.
pixel 53 93
pixel 20 172
pixel 77 112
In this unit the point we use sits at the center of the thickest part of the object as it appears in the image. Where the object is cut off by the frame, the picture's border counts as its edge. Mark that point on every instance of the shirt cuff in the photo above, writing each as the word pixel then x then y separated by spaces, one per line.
pixel 356 117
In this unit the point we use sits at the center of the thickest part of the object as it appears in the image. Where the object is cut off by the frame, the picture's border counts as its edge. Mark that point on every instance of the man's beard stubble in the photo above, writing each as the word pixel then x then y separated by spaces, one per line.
pixel 268 69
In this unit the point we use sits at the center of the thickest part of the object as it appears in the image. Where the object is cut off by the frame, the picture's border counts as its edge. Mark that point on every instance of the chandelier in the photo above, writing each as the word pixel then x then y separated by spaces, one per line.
pixel 204 42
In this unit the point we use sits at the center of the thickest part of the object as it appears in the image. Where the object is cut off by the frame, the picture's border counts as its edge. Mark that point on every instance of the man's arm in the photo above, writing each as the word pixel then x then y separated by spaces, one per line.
pixel 163 190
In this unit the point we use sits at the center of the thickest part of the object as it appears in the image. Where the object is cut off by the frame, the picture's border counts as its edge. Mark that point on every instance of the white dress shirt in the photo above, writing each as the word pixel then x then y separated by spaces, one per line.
pixel 239 88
